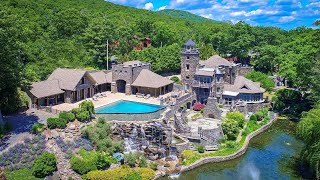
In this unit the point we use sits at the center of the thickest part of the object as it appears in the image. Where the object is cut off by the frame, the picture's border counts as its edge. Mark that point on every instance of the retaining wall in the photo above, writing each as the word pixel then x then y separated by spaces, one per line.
pixel 237 154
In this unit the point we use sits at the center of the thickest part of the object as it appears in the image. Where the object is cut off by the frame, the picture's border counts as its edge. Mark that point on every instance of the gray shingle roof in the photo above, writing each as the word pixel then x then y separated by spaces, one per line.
pixel 109 77
pixel 190 43
pixel 99 76
pixel 46 88
pixel 147 78
pixel 204 73
pixel 244 85
pixel 215 61
pixel 68 78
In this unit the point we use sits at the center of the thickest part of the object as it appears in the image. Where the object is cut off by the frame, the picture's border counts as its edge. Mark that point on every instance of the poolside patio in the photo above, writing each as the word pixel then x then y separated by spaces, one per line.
pixel 110 98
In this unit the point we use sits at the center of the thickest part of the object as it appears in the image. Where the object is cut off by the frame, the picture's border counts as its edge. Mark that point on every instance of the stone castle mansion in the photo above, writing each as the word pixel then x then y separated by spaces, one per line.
pixel 218 78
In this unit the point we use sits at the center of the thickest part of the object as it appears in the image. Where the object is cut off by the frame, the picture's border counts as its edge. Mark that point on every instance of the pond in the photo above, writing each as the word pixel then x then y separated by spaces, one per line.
pixel 270 155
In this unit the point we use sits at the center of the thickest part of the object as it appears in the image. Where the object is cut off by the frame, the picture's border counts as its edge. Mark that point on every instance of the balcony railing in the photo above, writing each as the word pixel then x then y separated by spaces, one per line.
pixel 200 84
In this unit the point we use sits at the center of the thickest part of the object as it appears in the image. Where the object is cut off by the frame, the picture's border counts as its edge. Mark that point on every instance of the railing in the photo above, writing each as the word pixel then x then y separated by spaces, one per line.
pixel 196 83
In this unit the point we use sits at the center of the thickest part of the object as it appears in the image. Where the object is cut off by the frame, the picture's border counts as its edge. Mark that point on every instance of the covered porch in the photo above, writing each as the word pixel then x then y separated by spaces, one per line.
pixel 39 103
pixel 153 91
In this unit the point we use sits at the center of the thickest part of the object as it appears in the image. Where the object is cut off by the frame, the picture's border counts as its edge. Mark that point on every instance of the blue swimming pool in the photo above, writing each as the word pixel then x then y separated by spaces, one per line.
pixel 128 107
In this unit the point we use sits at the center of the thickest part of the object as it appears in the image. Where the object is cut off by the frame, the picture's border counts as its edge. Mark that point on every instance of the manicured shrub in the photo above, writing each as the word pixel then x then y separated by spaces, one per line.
pixel 69 117
pixel 44 165
pixel 37 128
pixel 133 176
pixel 143 162
pixel 24 173
pixel 89 161
pixel 83 116
pixel 146 173
pixel 188 154
pixel 200 149
pixel 131 159
pixel 198 106
pixel 114 174
pixel 76 111
pixel 82 166
pixel 56 123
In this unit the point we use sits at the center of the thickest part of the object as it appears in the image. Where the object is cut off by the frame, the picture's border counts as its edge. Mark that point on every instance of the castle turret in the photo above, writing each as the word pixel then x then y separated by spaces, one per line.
pixel 189 63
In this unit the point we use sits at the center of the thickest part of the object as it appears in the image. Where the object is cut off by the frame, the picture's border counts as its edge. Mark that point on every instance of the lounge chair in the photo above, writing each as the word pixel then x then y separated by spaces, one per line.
pixel 104 94
pixel 99 95
pixel 94 98
pixel 139 95
pixel 147 96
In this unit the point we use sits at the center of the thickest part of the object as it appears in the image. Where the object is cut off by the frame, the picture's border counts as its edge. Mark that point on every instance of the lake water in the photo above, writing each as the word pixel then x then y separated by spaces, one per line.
pixel 128 107
pixel 270 155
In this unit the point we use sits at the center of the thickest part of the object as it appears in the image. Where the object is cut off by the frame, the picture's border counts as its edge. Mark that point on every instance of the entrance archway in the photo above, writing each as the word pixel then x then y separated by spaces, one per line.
pixel 121 86
pixel 211 116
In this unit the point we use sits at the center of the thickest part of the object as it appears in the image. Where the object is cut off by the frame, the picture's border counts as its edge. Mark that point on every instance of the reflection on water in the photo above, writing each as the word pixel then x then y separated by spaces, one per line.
pixel 263 159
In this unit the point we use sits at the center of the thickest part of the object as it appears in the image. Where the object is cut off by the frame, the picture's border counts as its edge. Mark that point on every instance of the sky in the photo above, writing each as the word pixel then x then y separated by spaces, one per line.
pixel 286 14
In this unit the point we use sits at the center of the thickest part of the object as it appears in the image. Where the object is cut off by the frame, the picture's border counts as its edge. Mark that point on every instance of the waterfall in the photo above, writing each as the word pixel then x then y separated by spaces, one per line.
pixel 130 144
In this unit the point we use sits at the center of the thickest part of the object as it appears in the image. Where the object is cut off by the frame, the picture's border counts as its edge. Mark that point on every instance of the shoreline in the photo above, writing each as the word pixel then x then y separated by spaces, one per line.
pixel 239 153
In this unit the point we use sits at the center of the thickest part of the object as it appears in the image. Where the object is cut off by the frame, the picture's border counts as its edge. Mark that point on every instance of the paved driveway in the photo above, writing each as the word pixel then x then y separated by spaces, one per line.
pixel 21 126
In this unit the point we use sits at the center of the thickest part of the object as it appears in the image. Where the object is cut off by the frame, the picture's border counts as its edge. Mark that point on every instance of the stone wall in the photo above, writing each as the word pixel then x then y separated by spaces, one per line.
pixel 243 70
pixel 133 117
pixel 231 156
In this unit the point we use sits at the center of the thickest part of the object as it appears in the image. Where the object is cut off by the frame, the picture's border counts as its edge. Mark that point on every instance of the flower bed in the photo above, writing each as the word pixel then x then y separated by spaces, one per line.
pixel 68 147
pixel 22 155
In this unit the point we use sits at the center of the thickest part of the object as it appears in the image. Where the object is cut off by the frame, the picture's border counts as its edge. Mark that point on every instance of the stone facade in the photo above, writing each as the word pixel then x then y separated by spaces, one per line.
pixel 189 64
pixel 212 110
pixel 123 76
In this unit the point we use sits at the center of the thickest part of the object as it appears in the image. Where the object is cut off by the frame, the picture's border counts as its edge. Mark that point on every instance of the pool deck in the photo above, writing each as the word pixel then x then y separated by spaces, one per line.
pixel 110 98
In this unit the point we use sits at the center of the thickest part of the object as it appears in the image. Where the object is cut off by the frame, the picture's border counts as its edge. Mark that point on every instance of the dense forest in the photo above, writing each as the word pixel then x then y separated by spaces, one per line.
pixel 38 36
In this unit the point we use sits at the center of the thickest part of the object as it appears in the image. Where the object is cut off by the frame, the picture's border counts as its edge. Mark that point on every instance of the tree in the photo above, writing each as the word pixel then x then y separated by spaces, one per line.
pixel 11 57
pixel 230 128
pixel 266 82
pixel 267 58
pixel 236 116
pixel 309 130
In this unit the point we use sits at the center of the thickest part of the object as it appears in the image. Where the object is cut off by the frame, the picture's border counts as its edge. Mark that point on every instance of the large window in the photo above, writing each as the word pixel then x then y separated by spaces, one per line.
pixel 228 101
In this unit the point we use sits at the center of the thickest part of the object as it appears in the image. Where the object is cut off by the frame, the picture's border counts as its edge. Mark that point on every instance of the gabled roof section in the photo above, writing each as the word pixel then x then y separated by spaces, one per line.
pixel 45 88
pixel 190 43
pixel 240 82
pixel 100 77
pixel 215 61
pixel 147 78
pixel 68 78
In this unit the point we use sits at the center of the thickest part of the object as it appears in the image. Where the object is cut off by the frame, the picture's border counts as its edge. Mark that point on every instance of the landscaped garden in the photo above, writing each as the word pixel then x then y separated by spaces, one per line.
pixel 235 128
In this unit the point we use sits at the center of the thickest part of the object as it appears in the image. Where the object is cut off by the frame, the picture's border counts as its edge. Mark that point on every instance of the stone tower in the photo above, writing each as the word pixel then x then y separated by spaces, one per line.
pixel 189 63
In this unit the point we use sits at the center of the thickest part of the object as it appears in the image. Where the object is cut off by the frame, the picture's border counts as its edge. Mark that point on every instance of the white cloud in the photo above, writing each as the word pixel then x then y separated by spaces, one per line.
pixel 313 4
pixel 285 19
pixel 253 13
pixel 209 16
pixel 162 8
pixel 148 6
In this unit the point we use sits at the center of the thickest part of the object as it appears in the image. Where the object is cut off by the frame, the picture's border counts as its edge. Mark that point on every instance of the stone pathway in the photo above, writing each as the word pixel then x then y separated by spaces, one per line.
pixel 64 168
